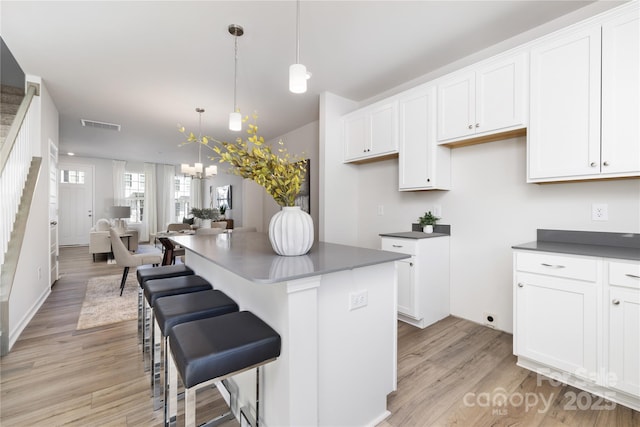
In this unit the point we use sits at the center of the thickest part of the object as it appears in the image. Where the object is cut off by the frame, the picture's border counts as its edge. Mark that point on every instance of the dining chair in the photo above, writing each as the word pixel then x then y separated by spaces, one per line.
pixel 126 259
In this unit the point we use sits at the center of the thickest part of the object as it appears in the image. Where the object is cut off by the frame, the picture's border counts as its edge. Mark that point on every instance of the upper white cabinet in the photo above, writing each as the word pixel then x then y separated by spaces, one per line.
pixel 491 98
pixel 371 131
pixel 423 164
pixel 568 115
pixel 621 95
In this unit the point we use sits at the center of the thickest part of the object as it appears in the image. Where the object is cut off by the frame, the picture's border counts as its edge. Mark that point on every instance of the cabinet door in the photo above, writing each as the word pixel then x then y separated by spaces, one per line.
pixel 556 322
pixel 417 139
pixel 356 136
pixel 564 122
pixel 384 129
pixel 624 340
pixel 407 289
pixel 456 107
pixel 621 94
pixel 500 95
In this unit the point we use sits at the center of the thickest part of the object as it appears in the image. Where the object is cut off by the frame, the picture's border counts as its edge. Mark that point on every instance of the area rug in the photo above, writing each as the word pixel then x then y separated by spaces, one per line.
pixel 103 304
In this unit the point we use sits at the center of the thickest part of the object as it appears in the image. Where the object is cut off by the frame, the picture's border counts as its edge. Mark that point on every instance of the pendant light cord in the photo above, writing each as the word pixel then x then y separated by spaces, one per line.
pixel 199 110
pixel 235 76
pixel 297 31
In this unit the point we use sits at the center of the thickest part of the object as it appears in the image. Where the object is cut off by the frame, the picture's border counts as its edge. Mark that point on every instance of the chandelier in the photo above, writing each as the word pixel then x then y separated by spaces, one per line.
pixel 198 170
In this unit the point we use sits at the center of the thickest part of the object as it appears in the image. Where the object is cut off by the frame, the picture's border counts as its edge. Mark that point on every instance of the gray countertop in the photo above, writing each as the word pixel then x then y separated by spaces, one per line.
pixel 250 255
pixel 413 235
pixel 588 243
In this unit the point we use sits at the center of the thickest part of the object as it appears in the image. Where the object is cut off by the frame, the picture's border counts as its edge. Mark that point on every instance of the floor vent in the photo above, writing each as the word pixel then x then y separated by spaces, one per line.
pixel 100 125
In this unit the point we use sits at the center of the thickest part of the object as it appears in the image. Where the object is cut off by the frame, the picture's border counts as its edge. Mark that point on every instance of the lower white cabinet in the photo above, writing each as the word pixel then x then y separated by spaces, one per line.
pixel 423 279
pixel 623 305
pixel 577 319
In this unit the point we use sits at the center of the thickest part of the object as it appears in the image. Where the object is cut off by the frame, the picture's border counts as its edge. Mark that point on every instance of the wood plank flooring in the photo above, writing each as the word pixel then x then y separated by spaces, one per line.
pixel 448 373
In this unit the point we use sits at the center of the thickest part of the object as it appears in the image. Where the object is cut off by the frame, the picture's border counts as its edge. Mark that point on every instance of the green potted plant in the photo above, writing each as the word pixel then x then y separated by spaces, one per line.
pixel 223 210
pixel 205 215
pixel 427 221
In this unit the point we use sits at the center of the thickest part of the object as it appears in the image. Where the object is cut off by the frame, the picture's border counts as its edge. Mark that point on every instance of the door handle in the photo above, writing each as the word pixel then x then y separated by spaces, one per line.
pixel 53 223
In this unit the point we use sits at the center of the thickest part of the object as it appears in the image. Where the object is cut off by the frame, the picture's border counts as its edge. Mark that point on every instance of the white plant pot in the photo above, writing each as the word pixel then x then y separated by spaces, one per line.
pixel 428 228
pixel 291 231
pixel 205 223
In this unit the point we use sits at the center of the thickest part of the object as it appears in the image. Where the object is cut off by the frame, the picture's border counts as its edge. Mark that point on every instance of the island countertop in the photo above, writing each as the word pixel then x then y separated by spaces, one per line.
pixel 249 255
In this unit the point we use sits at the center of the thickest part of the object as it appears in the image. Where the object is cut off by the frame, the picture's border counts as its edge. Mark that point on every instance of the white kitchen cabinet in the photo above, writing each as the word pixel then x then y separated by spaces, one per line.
pixel 577 319
pixel 555 302
pixel 423 165
pixel 423 279
pixel 623 302
pixel 490 98
pixel 371 131
pixel 584 103
pixel 621 95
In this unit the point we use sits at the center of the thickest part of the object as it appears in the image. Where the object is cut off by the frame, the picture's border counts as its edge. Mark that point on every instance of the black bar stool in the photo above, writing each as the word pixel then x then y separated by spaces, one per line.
pixel 174 310
pixel 206 351
pixel 158 288
pixel 164 272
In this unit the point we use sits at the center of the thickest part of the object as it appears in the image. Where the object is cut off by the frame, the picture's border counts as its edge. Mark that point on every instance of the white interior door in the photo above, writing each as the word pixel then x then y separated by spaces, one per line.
pixel 53 212
pixel 75 204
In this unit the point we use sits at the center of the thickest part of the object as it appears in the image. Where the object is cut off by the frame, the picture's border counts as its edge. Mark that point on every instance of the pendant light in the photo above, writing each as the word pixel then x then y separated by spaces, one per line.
pixel 235 118
pixel 298 74
pixel 198 170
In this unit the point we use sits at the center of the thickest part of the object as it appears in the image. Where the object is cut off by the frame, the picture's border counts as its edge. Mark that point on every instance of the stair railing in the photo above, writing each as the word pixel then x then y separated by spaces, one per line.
pixel 15 159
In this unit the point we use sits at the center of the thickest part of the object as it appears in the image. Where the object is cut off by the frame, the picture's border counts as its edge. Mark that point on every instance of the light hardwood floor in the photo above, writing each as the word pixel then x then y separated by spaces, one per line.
pixel 56 375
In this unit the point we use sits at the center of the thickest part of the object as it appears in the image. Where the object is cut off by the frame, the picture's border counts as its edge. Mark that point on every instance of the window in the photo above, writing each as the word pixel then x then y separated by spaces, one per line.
pixel 182 197
pixel 134 194
pixel 71 177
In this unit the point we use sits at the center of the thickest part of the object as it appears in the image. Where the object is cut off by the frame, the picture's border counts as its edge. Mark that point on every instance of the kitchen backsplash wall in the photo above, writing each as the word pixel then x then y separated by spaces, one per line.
pixel 490 208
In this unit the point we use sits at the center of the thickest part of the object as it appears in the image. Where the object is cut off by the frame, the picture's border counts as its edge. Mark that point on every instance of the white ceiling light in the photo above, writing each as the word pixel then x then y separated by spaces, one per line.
pixel 198 170
pixel 235 118
pixel 298 74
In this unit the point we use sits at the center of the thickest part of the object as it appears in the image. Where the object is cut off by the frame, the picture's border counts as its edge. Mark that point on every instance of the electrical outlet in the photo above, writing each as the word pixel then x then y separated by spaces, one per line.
pixel 489 320
pixel 437 211
pixel 39 273
pixel 358 299
pixel 380 210
pixel 600 212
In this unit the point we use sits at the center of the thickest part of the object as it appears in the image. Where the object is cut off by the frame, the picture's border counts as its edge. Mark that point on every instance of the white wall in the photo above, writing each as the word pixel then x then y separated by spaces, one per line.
pixel 302 142
pixel 339 190
pixel 31 284
pixel 224 178
pixel 490 208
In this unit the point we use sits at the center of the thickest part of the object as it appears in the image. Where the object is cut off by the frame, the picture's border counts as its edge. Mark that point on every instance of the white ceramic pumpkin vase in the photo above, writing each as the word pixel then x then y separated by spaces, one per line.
pixel 428 228
pixel 291 231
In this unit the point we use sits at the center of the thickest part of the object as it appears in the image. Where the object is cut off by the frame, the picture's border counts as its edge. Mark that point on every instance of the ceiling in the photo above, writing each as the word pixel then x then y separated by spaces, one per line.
pixel 147 65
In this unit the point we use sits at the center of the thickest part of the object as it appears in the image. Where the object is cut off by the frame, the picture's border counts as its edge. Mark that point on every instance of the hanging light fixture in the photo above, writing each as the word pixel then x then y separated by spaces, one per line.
pixel 298 74
pixel 198 170
pixel 235 118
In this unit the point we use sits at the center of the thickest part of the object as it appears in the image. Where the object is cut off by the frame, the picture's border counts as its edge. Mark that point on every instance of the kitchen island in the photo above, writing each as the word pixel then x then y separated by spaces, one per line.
pixel 335 309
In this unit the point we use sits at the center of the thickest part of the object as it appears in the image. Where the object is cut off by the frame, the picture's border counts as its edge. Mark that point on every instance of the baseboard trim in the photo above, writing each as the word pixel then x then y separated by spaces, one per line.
pixel 15 333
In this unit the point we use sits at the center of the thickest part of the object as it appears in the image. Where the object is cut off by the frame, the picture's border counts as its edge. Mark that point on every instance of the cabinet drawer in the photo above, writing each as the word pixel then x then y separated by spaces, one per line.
pixel 404 246
pixel 558 265
pixel 626 274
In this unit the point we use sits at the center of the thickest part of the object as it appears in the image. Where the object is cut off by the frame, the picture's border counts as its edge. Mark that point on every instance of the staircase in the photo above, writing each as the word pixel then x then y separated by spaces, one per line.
pixel 10 99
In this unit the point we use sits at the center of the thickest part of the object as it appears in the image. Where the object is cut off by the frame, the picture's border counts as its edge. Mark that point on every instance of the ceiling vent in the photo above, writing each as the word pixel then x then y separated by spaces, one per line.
pixel 100 125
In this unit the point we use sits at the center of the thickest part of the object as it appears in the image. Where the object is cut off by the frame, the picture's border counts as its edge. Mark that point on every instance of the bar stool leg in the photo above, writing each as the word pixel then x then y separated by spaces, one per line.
pixel 140 314
pixel 190 407
pixel 171 392
pixel 156 365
